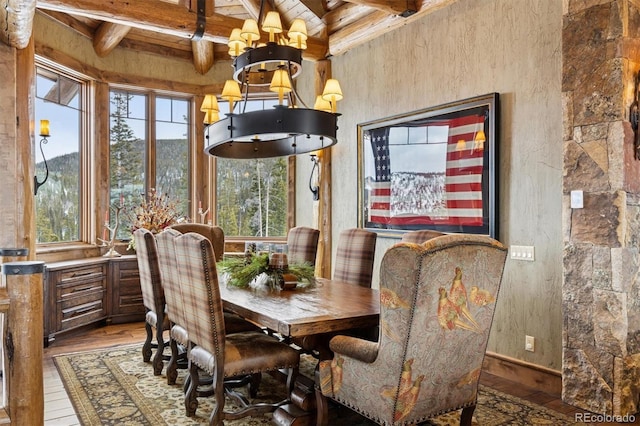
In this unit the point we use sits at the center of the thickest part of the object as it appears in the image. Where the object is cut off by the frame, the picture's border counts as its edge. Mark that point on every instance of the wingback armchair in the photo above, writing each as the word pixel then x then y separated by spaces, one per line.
pixel 436 308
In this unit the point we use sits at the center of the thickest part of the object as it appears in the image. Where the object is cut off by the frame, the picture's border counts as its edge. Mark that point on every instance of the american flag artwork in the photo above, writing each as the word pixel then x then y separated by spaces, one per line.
pixel 402 191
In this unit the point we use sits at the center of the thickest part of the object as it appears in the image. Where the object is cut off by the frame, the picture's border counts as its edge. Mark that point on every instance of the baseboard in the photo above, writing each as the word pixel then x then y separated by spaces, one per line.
pixel 531 375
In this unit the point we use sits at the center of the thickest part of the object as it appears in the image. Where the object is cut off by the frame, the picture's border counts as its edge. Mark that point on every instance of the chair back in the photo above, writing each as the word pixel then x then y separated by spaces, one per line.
pixel 354 258
pixel 149 268
pixel 302 244
pixel 200 294
pixel 436 309
pixel 214 234
pixel 419 237
pixel 165 241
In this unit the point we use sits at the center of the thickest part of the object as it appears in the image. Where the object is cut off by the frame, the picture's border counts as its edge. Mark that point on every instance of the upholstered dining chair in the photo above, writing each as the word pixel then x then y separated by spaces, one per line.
pixel 302 244
pixel 214 351
pixel 152 298
pixel 436 308
pixel 354 257
pixel 172 282
pixel 215 234
pixel 420 236
pixel 178 337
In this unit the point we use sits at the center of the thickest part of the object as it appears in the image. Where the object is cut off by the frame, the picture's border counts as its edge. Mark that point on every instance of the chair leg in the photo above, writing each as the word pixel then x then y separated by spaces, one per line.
pixel 254 384
pixel 291 379
pixel 191 395
pixel 172 367
pixel 146 348
pixel 466 416
pixel 322 409
pixel 158 362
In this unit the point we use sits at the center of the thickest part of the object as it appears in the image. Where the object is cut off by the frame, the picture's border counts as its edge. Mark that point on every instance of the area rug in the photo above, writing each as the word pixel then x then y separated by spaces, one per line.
pixel 115 387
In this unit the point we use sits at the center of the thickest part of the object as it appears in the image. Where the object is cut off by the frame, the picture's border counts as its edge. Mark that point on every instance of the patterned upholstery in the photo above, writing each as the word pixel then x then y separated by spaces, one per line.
pixel 215 234
pixel 302 243
pixel 436 308
pixel 173 296
pixel 213 351
pixel 172 282
pixel 152 297
pixel 354 257
pixel 419 237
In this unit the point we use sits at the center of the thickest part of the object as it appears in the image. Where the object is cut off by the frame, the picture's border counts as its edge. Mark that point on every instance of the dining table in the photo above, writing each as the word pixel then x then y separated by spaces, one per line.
pixel 327 307
pixel 307 316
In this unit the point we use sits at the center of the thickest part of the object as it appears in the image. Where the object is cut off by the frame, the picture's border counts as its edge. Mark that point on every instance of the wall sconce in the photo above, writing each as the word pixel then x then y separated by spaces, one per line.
pixel 634 118
pixel 315 189
pixel 44 133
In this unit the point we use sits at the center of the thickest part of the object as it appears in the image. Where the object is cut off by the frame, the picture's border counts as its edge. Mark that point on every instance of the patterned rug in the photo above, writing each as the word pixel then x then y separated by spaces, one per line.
pixel 114 387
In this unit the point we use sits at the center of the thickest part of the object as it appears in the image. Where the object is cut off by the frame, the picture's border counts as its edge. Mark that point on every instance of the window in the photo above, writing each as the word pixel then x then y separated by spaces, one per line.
pixel 251 199
pixel 58 203
pixel 149 148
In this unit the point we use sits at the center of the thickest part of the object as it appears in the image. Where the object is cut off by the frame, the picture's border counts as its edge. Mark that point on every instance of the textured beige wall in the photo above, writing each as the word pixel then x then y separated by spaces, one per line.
pixel 471 48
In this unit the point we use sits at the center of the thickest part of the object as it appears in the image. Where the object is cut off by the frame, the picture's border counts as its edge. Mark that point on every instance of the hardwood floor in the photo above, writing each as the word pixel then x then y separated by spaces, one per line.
pixel 59 411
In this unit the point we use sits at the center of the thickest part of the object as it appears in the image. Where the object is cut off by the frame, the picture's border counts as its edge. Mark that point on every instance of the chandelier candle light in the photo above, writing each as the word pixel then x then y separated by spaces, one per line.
pixel 286 129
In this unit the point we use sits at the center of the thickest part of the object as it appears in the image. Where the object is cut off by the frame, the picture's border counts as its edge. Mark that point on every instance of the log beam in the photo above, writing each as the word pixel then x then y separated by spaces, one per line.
pixel 203 55
pixel 16 22
pixel 392 7
pixel 169 19
pixel 108 35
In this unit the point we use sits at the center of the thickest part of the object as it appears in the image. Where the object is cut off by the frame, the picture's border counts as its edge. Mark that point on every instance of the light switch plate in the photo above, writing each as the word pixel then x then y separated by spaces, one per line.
pixel 526 253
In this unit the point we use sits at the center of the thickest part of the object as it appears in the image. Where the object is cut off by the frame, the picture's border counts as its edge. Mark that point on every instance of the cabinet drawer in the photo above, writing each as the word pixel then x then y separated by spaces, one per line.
pixel 84 273
pixel 79 290
pixel 81 308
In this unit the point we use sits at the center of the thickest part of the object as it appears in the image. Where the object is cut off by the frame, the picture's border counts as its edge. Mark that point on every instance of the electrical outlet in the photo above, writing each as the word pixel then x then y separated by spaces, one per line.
pixel 529 343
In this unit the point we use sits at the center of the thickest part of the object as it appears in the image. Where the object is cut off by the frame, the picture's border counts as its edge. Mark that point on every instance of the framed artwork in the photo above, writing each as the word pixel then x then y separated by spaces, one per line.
pixel 431 169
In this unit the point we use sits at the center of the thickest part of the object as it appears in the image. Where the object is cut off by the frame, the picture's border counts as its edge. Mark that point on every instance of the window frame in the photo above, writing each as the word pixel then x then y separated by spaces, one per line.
pixel 150 158
pixel 86 149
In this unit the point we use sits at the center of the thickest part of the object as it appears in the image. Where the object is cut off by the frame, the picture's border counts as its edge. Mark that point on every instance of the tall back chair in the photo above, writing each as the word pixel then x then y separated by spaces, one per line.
pixel 354 258
pixel 165 241
pixel 302 244
pixel 436 308
pixel 213 233
pixel 152 297
pixel 419 237
pixel 212 350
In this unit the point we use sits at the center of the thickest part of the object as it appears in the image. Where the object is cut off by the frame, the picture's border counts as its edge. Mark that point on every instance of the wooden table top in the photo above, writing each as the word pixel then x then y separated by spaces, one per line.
pixel 327 307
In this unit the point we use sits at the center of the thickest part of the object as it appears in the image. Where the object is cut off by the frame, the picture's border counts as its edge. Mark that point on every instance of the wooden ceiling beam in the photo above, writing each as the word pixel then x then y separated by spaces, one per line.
pixel 16 22
pixel 392 7
pixel 108 35
pixel 376 24
pixel 203 55
pixel 169 19
pixel 344 16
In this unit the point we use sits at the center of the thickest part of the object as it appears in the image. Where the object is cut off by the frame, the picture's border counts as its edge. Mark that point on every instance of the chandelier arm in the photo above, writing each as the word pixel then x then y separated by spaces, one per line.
pixel 293 86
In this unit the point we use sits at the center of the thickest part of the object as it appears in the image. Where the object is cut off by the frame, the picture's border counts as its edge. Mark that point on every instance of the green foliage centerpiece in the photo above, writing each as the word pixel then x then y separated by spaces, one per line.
pixel 254 270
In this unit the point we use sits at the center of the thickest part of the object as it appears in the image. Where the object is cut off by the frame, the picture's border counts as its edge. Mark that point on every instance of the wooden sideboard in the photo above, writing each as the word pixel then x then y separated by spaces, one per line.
pixel 81 292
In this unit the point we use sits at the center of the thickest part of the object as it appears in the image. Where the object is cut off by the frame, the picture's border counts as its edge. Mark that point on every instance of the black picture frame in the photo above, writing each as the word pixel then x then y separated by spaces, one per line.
pixel 431 169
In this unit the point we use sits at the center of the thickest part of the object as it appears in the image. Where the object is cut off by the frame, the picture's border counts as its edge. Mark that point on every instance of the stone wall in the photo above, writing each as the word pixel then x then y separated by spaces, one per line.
pixel 601 290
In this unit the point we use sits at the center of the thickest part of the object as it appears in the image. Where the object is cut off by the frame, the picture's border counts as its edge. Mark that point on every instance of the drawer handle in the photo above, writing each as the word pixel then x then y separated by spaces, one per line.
pixel 75 290
pixel 82 311
pixel 82 274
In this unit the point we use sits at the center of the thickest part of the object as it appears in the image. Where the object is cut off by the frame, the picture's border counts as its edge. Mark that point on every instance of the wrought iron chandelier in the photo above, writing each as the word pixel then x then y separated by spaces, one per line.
pixel 289 128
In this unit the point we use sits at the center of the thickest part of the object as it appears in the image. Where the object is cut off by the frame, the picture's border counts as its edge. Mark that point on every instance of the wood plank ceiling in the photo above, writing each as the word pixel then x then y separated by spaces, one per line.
pixel 166 27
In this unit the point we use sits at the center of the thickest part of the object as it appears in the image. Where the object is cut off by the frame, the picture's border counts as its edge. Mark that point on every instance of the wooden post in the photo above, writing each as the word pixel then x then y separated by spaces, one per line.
pixel 22 345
